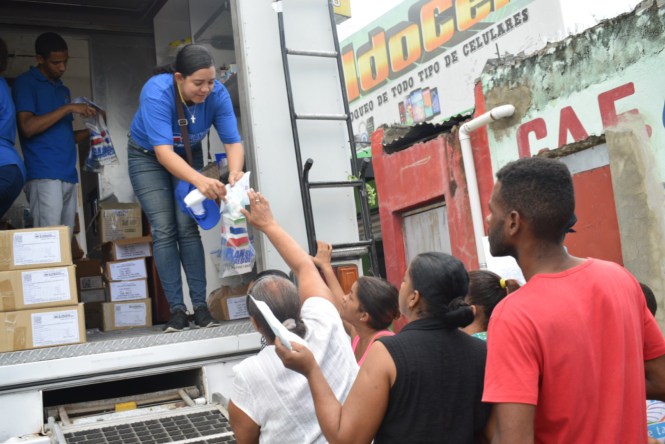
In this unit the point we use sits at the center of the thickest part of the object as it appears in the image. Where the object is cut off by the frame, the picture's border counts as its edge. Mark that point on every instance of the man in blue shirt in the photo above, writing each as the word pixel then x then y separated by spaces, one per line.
pixel 44 115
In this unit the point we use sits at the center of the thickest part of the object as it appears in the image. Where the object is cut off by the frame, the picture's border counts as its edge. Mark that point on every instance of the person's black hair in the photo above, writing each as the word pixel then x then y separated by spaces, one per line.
pixel 4 56
pixel 49 42
pixel 541 191
pixel 380 299
pixel 652 305
pixel 190 58
pixel 486 291
pixel 440 278
pixel 281 295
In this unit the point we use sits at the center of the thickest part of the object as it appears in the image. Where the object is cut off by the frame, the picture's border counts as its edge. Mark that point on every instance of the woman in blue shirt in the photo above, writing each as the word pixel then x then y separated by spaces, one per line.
pixel 12 170
pixel 156 165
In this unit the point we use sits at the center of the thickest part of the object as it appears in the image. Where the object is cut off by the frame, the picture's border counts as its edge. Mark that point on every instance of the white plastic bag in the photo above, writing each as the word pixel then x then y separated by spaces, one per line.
pixel 102 152
pixel 237 255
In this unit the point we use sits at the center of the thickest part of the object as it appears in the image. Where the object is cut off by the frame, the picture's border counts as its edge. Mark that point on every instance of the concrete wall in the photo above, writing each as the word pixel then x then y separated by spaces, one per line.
pixel 607 80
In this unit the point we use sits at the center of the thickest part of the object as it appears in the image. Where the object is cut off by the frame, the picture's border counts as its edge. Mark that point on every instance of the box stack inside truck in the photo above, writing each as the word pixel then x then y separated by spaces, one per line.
pixel 38 305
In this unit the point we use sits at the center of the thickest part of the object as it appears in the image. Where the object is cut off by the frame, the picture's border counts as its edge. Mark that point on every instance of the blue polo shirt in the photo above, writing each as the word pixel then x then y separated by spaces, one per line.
pixel 51 154
pixel 156 120
pixel 8 154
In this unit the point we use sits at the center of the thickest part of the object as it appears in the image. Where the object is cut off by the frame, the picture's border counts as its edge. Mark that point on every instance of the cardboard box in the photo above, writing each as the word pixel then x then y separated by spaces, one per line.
pixel 228 303
pixel 128 270
pixel 38 288
pixel 128 290
pixel 35 248
pixel 94 315
pixel 124 315
pixel 46 327
pixel 95 295
pixel 119 221
pixel 89 274
pixel 121 249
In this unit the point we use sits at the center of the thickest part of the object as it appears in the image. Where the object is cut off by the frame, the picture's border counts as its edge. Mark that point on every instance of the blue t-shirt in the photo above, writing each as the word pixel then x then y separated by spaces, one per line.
pixel 156 120
pixel 52 153
pixel 8 154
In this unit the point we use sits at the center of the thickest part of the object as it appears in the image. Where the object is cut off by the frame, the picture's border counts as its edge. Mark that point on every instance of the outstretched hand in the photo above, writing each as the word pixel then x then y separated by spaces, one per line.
pixel 260 215
pixel 323 256
pixel 300 359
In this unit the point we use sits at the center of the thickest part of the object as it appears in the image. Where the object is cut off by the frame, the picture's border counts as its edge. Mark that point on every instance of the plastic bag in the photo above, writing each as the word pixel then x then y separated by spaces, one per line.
pixel 102 152
pixel 237 255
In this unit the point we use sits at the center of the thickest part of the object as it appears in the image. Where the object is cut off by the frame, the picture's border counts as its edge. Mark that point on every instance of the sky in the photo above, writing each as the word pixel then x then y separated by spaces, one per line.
pixel 577 14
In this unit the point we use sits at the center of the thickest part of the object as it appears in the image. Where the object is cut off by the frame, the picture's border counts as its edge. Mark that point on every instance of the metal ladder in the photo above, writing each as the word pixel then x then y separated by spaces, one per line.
pixel 367 245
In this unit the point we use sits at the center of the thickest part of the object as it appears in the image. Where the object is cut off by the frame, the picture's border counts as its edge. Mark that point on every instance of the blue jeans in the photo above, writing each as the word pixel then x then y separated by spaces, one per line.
pixel 175 235
pixel 11 183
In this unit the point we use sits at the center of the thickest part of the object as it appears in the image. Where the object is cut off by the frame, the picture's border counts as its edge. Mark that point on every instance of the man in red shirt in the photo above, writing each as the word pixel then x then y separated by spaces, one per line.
pixel 568 352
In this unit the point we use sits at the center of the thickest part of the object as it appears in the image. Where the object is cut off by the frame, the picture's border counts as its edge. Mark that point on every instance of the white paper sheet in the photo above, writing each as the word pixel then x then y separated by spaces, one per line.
pixel 37 247
pixel 55 328
pixel 130 315
pixel 45 285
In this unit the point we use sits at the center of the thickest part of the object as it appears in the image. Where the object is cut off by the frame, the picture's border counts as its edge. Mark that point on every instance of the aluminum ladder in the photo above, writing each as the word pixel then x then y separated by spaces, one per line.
pixel 367 245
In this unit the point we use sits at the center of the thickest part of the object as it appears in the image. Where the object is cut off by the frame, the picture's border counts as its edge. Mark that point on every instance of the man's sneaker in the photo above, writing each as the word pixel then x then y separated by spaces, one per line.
pixel 177 322
pixel 202 317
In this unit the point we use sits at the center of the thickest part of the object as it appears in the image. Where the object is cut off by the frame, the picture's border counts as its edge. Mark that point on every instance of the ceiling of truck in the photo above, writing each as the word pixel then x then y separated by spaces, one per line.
pixel 91 15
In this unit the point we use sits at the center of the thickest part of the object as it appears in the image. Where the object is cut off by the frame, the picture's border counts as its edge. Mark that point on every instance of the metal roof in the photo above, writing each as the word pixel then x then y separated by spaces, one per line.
pixel 399 137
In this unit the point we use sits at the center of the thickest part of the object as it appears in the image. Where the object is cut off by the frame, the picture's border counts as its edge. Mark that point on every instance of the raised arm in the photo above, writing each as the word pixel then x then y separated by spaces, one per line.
pixel 322 260
pixel 310 282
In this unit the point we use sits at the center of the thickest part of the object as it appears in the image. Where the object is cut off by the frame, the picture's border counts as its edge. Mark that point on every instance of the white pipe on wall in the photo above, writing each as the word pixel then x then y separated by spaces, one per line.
pixel 470 169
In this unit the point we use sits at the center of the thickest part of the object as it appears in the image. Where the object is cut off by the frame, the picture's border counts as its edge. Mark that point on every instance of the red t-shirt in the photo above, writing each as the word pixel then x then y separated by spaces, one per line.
pixel 574 344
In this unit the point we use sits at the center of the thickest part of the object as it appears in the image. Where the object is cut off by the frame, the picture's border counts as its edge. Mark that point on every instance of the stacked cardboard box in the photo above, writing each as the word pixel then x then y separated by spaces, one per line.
pixel 128 303
pixel 38 294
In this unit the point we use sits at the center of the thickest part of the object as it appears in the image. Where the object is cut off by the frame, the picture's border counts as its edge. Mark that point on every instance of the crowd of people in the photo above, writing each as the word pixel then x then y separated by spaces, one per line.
pixel 571 356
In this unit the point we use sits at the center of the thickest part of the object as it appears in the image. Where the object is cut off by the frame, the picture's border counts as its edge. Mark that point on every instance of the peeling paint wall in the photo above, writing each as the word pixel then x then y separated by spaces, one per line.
pixel 580 86
pixel 606 81
pixel 418 176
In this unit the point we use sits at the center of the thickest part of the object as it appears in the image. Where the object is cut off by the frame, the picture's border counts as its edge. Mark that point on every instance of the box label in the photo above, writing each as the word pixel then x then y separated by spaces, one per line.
pixel 90 282
pixel 55 328
pixel 126 271
pixel 237 307
pixel 96 295
pixel 131 251
pixel 46 285
pixel 130 315
pixel 128 290
pixel 37 247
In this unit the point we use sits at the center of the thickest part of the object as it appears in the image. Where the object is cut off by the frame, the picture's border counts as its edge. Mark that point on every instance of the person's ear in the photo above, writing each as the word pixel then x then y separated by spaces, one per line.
pixel 40 60
pixel 474 310
pixel 413 299
pixel 514 222
pixel 364 316
pixel 179 77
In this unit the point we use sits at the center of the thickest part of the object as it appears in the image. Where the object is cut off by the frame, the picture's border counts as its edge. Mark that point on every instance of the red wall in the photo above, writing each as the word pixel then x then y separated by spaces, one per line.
pixel 417 176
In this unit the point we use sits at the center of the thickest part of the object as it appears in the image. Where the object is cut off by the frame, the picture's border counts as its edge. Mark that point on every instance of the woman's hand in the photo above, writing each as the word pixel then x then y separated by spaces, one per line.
pixel 261 214
pixel 235 176
pixel 323 256
pixel 210 188
pixel 300 359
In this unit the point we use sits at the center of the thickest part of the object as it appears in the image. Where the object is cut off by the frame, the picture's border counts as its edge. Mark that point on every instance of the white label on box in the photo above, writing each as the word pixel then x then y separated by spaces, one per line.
pixel 130 315
pixel 128 290
pixel 90 282
pixel 131 251
pixel 96 295
pixel 55 328
pixel 37 247
pixel 237 307
pixel 126 271
pixel 45 285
